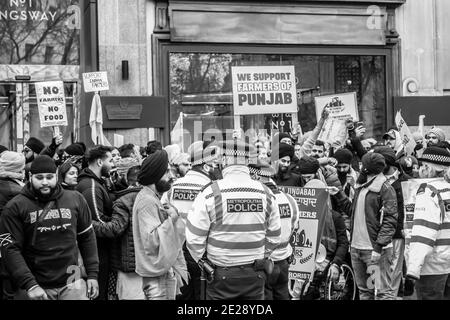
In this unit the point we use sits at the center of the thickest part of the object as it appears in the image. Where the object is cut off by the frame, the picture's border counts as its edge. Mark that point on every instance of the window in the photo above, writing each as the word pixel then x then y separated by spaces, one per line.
pixel 48 54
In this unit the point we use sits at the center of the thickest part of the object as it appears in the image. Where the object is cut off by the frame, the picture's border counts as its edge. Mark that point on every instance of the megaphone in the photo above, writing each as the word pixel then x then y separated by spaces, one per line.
pixel 321 254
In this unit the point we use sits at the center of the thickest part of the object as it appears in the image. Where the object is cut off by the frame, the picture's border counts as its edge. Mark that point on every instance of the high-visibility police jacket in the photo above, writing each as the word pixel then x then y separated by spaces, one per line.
pixel 288 211
pixel 429 252
pixel 185 190
pixel 234 219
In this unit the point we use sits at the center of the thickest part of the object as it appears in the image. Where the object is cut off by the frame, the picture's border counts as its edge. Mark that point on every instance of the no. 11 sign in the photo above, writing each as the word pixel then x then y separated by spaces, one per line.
pixel 51 103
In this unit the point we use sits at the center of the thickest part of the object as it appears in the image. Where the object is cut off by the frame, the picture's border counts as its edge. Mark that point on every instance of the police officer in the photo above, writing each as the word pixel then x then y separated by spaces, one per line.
pixel 182 195
pixel 234 220
pixel 276 287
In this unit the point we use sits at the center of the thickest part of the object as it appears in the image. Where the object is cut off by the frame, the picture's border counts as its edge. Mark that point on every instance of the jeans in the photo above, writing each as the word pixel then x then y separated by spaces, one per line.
pixel 372 277
pixel 277 284
pixel 73 291
pixel 433 287
pixel 397 263
pixel 160 288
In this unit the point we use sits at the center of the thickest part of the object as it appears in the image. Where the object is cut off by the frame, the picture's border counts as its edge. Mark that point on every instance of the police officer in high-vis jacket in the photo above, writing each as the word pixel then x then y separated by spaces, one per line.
pixel 276 287
pixel 182 196
pixel 235 221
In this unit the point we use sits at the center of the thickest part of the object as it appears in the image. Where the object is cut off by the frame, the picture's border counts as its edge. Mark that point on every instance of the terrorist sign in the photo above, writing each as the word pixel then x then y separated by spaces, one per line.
pixel 342 106
pixel 407 137
pixel 312 205
pixel 95 81
pixel 264 89
pixel 51 103
pixel 409 189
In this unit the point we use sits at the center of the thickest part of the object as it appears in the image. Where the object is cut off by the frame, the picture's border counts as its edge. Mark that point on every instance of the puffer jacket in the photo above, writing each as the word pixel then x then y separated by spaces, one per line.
pixel 122 248
pixel 380 209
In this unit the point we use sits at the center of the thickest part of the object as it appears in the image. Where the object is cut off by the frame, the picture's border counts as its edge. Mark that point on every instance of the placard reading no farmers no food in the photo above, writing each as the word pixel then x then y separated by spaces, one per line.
pixel 264 89
pixel 51 103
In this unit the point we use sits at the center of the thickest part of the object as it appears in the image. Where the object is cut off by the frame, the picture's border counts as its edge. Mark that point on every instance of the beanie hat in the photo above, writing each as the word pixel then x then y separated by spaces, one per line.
pixel 436 155
pixel 308 165
pixel 74 149
pixel 262 169
pixel 3 148
pixel 12 164
pixel 388 154
pixel 153 168
pixel 43 164
pixel 373 163
pixel 408 162
pixel 284 135
pixel 438 132
pixel 343 156
pixel 286 150
pixel 35 145
pixel 126 163
pixel 417 136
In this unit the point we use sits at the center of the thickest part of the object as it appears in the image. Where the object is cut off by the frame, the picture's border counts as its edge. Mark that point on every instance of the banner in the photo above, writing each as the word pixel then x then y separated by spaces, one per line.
pixel 95 81
pixel 312 204
pixel 407 137
pixel 264 89
pixel 51 103
pixel 409 189
pixel 342 106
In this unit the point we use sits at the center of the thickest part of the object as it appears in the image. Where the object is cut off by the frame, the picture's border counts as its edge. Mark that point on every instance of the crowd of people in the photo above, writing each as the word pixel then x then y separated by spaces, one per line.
pixel 135 223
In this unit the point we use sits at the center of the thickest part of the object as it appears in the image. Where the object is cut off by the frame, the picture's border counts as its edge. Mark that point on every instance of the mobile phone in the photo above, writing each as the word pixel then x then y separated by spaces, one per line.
pixel 359 124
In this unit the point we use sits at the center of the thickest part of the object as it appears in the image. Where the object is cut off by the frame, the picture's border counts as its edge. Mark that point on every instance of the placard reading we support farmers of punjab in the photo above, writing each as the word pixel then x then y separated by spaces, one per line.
pixel 264 89
pixel 51 103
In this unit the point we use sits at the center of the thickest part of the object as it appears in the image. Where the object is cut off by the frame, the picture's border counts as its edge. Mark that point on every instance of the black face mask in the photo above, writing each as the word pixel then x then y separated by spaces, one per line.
pixel 342 176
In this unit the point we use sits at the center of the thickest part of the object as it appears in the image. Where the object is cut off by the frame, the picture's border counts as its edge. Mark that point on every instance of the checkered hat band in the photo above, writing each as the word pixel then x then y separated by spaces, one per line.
pixel 445 160
pixel 236 153
pixel 261 173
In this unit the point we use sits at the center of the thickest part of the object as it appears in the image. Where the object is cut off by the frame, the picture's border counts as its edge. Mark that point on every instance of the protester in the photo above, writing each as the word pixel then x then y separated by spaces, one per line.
pixel 68 175
pixel 91 184
pixel 157 232
pixel 181 163
pixel 153 146
pixel 346 174
pixel 395 177
pixel 373 225
pixel 39 249
pixel 277 284
pixel 434 136
pixel 285 175
pixel 123 165
pixel 393 139
pixel 429 249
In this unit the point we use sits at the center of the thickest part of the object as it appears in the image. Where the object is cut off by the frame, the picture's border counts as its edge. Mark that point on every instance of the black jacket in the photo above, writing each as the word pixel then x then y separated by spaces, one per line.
pixel 288 179
pixel 339 255
pixel 41 248
pixel 8 190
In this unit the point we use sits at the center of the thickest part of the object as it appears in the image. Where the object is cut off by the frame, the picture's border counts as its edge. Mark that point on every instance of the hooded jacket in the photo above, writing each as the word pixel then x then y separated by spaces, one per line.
pixel 380 207
pixel 9 188
pixel 41 245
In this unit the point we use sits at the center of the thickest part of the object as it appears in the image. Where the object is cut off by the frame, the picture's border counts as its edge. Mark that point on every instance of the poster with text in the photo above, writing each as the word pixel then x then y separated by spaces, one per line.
pixel 95 81
pixel 312 204
pixel 51 103
pixel 409 189
pixel 407 137
pixel 264 89
pixel 342 106
pixel 334 131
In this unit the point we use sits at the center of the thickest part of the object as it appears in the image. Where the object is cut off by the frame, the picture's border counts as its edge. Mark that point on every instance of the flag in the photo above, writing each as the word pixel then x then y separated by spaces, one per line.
pixel 96 122
pixel 176 135
pixel 407 138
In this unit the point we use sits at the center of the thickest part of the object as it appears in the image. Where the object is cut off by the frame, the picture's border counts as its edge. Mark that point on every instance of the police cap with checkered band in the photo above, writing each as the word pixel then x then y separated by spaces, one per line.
pixel 436 155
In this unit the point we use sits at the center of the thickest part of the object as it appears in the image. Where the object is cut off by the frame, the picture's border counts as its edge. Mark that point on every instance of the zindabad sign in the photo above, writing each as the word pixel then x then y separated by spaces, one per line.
pixel 51 103
pixel 264 90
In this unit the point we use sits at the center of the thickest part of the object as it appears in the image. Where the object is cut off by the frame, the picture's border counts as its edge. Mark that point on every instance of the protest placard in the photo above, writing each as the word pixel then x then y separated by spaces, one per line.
pixel 341 106
pixel 264 89
pixel 409 189
pixel 95 81
pixel 407 137
pixel 334 131
pixel 51 103
pixel 312 206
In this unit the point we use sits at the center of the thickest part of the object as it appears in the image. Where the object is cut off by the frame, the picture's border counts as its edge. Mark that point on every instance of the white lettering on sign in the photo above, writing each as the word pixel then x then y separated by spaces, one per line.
pixel 19 11
pixel 51 103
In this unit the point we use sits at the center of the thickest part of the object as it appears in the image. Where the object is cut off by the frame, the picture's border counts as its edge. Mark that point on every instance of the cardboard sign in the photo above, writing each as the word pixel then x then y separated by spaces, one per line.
pixel 312 204
pixel 407 137
pixel 334 131
pixel 95 81
pixel 264 89
pixel 51 103
pixel 342 106
pixel 409 189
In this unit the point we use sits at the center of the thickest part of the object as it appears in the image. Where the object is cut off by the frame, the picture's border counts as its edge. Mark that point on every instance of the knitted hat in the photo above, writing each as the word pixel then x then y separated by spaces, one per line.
pixel 153 168
pixel 438 132
pixel 75 149
pixel 388 154
pixel 284 135
pixel 262 169
pixel 126 163
pixel 238 151
pixel 308 165
pixel 43 164
pixel 35 145
pixel 436 155
pixel 373 163
pixel 343 156
pixel 12 162
pixel 3 148
pixel 285 150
